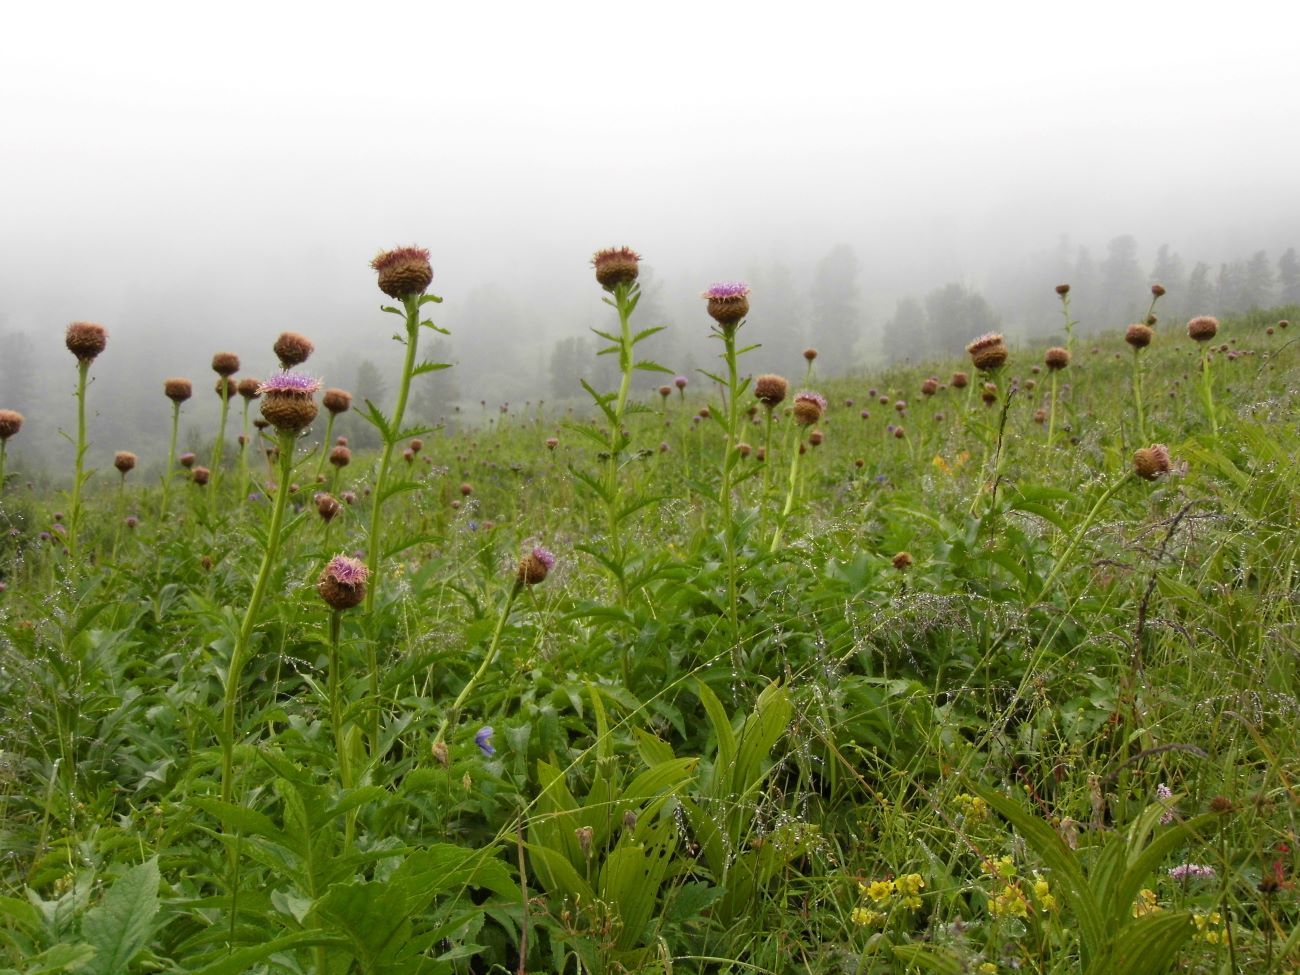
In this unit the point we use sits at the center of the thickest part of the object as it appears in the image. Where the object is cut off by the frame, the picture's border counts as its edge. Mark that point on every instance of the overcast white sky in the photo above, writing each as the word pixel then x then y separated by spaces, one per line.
pixel 261 149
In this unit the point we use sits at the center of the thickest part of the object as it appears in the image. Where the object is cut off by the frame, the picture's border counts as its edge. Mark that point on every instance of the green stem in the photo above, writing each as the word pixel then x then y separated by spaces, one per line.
pixel 453 714
pixel 243 458
pixel 1051 412
pixel 74 516
pixel 218 447
pixel 171 463
pixel 623 294
pixel 1080 532
pixel 728 462
pixel 238 657
pixel 1137 396
pixel 2 466
pixel 336 701
pixel 373 556
pixel 1207 388
pixel 325 449
pixel 789 496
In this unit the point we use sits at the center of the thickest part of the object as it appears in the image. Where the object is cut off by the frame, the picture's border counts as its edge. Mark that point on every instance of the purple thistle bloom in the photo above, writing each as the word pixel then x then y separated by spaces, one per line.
pixel 346 571
pixel 290 382
pixel 726 289
pixel 484 736
pixel 546 558
pixel 680 382
pixel 1191 871
pixel 1165 794
pixel 810 397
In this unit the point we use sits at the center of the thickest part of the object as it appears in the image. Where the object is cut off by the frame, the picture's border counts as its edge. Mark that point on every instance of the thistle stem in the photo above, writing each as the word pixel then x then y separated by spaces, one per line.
pixel 1207 389
pixel 171 463
pixel 1137 395
pixel 218 447
pixel 1051 412
pixel 74 517
pixel 789 496
pixel 325 444
pixel 375 553
pixel 728 462
pixel 238 657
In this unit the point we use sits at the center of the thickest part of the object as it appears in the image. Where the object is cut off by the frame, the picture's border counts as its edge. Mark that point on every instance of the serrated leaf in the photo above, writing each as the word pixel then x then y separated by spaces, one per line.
pixel 424 367
pixel 121 925
pixel 646 365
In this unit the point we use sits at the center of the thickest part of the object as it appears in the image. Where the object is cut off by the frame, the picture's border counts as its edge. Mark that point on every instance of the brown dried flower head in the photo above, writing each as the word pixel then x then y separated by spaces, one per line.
pixel 226 388
pixel 86 340
pixel 988 352
pixel 340 456
pixel 1056 358
pixel 201 475
pixel 930 386
pixel 337 400
pixel 293 348
pixel 615 266
pixel 327 506
pixel 1138 335
pixel 178 390
pixel 1151 462
pixel 124 461
pixel 225 363
pixel 771 389
pixel 959 380
pixel 902 561
pixel 1062 290
pixel 403 272
pixel 248 388
pixel 810 354
pixel 1203 328
pixel 11 421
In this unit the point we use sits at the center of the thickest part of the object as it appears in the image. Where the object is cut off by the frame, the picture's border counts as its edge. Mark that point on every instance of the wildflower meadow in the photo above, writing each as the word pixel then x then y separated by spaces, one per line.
pixel 984 665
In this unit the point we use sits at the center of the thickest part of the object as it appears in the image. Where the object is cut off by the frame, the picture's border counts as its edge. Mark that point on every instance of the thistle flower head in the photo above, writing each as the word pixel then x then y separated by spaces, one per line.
pixel 810 354
pixel 930 386
pixel 342 582
pixel 1138 335
pixel 771 389
pixel 337 400
pixel 902 560
pixel 680 382
pixel 201 475
pixel 959 380
pixel 249 388
pixel 287 400
pixel 86 340
pixel 187 459
pixel 1203 328
pixel 226 388
pixel 615 266
pixel 728 302
pixel 327 506
pixel 293 349
pixel 225 363
pixel 11 421
pixel 988 352
pixel 403 272
pixel 1151 462
pixel 535 566
pixel 1056 358
pixel 1062 290
pixel 809 407
pixel 178 390
pixel 1158 290
pixel 124 461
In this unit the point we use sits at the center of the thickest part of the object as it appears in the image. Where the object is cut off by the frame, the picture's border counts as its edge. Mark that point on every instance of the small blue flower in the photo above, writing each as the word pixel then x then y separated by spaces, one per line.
pixel 473 526
pixel 484 740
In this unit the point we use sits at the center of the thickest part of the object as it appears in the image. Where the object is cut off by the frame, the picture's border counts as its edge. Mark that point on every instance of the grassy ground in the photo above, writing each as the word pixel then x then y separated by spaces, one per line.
pixel 1057 736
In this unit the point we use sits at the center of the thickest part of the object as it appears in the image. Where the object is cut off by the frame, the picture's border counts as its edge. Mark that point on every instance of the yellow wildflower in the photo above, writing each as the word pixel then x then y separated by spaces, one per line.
pixel 910 883
pixel 1043 894
pixel 988 968
pixel 880 890
pixel 866 917
pixel 1146 903
pixel 1010 902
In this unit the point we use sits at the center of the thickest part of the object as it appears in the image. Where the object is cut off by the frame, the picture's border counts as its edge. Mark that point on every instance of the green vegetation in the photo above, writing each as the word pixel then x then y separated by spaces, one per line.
pixel 983 682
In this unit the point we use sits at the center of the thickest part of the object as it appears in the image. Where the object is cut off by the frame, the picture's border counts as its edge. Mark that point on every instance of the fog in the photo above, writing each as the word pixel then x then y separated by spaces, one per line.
pixel 199 179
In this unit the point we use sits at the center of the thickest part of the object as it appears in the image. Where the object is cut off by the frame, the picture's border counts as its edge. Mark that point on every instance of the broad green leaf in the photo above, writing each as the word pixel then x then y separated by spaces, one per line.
pixel 121 925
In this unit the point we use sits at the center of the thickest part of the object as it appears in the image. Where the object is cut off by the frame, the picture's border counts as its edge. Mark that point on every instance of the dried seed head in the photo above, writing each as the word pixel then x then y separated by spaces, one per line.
pixel 744 449
pixel 615 266
pixel 416 444
pixel 1040 416
pixel 178 390
pixel 226 388
pixel 201 476
pixel 1138 335
pixel 327 506
pixel 810 354
pixel 902 561
pixel 535 566
pixel 959 380
pixel 337 400
pixel 552 443
pixel 86 340
pixel 930 386
pixel 771 389
pixel 1158 290
pixel 342 582
pixel 665 391
pixel 293 348
pixel 248 388
pixel 11 421
pixel 1203 328
pixel 124 461
pixel 1062 290
pixel 225 363
pixel 816 437
pixel 260 423
pixel 1151 462
pixel 403 272
pixel 1056 358
pixel 186 459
